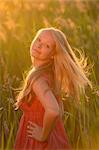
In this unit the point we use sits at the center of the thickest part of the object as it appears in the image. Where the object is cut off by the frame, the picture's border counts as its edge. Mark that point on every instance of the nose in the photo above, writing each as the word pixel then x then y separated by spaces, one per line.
pixel 39 45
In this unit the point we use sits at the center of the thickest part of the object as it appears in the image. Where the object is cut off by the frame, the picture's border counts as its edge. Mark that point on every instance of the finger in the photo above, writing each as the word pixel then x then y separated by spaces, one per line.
pixel 30 135
pixel 30 127
pixel 30 122
pixel 29 131
pixel 33 124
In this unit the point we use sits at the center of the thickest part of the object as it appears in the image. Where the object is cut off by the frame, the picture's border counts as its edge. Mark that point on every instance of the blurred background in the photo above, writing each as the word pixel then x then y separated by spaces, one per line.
pixel 19 22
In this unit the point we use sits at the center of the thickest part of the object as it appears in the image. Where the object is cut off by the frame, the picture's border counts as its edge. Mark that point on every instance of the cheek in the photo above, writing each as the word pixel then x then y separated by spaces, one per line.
pixel 46 52
pixel 33 45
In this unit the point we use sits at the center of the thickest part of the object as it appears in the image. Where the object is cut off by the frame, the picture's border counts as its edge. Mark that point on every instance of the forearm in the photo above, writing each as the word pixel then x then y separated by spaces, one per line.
pixel 48 124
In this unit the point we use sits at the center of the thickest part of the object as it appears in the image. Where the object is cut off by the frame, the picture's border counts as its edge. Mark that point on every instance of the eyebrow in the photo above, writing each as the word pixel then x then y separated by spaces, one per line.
pixel 40 38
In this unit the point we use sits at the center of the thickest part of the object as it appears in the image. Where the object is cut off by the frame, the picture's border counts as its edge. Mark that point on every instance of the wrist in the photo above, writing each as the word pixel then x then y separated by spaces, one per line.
pixel 43 138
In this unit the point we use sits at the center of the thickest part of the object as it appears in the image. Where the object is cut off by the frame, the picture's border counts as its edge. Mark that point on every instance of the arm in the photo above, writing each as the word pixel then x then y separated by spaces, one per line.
pixel 49 102
pixel 48 124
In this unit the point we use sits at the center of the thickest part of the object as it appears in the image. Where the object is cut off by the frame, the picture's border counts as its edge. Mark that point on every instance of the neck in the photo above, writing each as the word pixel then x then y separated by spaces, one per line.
pixel 38 62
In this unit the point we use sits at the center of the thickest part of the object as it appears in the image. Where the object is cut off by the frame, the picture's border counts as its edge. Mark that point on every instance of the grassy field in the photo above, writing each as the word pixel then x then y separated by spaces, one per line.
pixel 19 22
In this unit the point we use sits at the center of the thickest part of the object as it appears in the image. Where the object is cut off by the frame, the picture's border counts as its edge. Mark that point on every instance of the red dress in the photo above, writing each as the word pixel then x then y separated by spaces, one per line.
pixel 58 139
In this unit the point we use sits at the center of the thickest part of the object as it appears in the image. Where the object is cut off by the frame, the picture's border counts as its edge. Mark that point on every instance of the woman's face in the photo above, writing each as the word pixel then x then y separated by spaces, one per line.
pixel 43 47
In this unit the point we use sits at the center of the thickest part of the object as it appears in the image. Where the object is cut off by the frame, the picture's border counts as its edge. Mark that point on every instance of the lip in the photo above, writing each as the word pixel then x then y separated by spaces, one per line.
pixel 36 51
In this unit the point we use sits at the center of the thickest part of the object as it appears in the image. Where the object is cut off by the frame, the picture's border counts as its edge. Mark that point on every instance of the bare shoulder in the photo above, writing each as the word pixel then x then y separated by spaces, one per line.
pixel 43 91
pixel 41 83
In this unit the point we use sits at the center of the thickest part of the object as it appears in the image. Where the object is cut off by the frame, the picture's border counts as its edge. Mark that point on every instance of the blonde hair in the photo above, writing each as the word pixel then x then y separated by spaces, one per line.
pixel 70 73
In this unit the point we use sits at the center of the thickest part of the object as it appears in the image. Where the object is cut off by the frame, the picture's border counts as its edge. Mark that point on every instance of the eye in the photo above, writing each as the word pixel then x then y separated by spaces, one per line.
pixel 48 46
pixel 38 39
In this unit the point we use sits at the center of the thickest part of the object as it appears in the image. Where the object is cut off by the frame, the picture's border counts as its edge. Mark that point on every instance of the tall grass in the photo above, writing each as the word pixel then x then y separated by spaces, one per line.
pixel 19 24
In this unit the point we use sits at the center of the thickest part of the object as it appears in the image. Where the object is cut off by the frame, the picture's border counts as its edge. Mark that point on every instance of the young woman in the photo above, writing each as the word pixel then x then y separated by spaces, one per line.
pixel 54 68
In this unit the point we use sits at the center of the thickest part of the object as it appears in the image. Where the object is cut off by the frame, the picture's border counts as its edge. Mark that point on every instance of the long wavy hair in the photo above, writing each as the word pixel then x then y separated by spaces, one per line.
pixel 70 73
